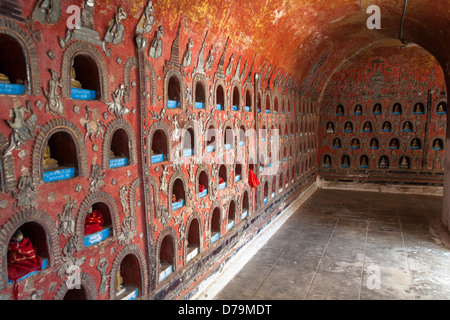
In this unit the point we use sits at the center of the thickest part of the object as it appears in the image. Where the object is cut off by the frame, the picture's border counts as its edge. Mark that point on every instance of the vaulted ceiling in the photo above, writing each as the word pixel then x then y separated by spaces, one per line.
pixel 303 36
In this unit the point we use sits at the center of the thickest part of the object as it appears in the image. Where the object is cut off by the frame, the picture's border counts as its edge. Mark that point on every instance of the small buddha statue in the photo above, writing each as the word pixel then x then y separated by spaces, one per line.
pixel 383 162
pixel 94 221
pixel 358 109
pixel 440 107
pixel 407 126
pixel 330 128
pixel 394 143
pixel 386 126
pixel 348 127
pixel 327 161
pixel 418 108
pixel 174 198
pixel 377 109
pixel 355 143
pixel 363 161
pixel 340 110
pixel 4 78
pixel 119 283
pixel 346 162
pixel 73 81
pixel 374 144
pixel 404 163
pixel 22 259
pixel 337 143
pixel 437 145
pixel 48 162
pixel 396 108
pixel 415 143
pixel 367 127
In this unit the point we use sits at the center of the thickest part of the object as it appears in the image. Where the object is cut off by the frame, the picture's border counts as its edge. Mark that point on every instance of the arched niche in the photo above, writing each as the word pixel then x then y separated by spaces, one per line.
pixel 415 143
pixel 190 140
pixel 248 99
pixel 404 162
pixel 358 110
pixel 327 162
pixel 177 192
pixel 91 68
pixel 85 290
pixel 418 108
pixel 129 274
pixel 100 202
pixel 231 215
pixel 364 162
pixel 173 89
pixel 215 223
pixel 159 143
pixel 200 92
pixel 397 108
pixel 383 162
pixel 223 177
pixel 20 61
pixel 66 146
pixel 266 192
pixel 193 237
pixel 441 107
pixel 377 109
pixel 39 227
pixel 238 173
pixel 167 254
pixel 276 107
pixel 438 144
pixel 85 82
pixel 345 161
pixel 219 96
pixel 235 97
pixel 211 136
pixel 202 185
pixel 246 208
pixel 119 145
pixel 228 136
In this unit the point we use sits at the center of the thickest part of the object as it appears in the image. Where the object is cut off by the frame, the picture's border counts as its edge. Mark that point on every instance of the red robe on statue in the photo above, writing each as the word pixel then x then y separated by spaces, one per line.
pixel 252 179
pixel 94 222
pixel 22 260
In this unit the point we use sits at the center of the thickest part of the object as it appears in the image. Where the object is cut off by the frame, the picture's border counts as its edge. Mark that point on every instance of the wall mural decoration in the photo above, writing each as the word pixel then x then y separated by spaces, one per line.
pixel 397 127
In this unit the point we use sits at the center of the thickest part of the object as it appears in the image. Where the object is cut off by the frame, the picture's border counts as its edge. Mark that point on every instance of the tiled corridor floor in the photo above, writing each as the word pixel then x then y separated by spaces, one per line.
pixel 352 245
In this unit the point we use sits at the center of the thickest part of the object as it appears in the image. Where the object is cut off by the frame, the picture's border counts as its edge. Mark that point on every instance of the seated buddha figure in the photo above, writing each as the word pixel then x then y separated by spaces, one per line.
pixel 367 127
pixel 437 144
pixel 415 143
pixel 4 78
pixel 364 161
pixel 22 259
pixel 404 163
pixel 174 198
pixel 355 143
pixel 94 221
pixel 327 161
pixel 440 109
pixel 383 162
pixel 394 144
pixel 374 144
pixel 387 126
pixel 74 83
pixel 407 126
pixel 48 161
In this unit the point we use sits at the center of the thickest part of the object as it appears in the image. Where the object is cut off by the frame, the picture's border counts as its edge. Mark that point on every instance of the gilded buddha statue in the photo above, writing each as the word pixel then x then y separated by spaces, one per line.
pixel 4 78
pixel 74 83
pixel 48 162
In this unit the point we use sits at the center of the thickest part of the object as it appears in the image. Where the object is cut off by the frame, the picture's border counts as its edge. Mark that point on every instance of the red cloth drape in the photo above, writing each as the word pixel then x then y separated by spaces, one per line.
pixel 94 222
pixel 252 179
pixel 201 188
pixel 22 260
